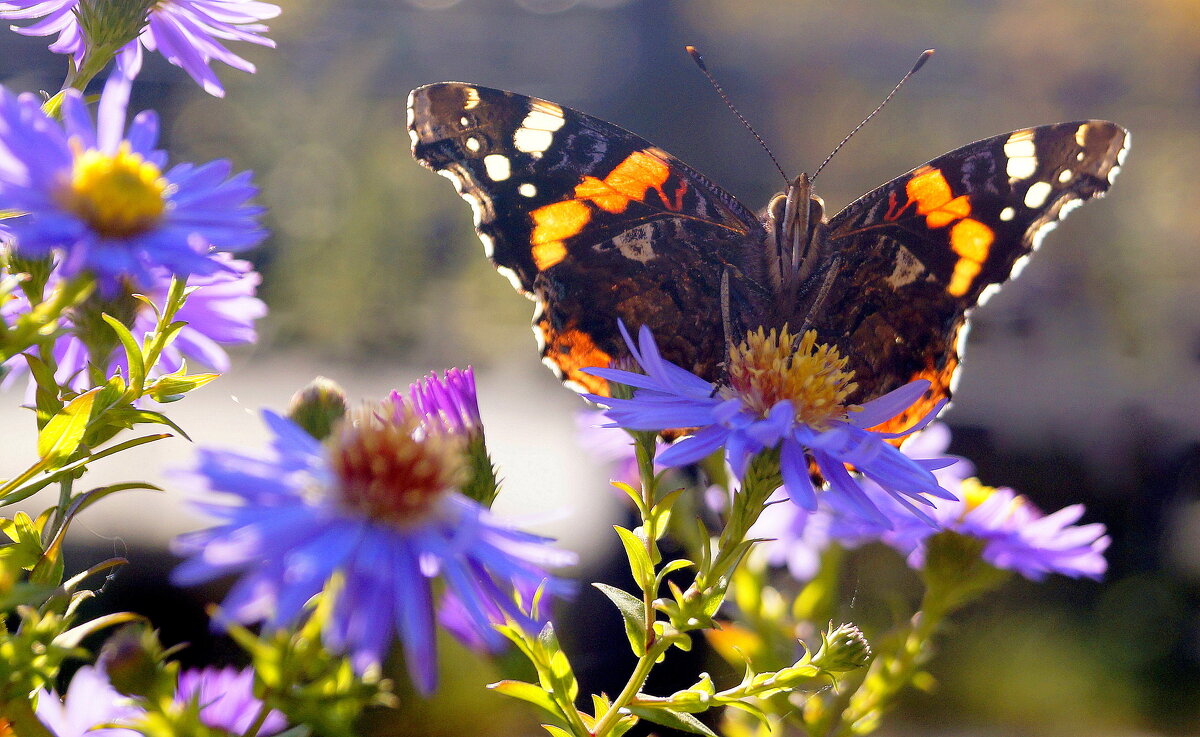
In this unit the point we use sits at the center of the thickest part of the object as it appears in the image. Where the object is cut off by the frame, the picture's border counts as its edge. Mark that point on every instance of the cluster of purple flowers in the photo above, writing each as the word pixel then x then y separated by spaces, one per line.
pixel 187 32
pixel 1016 535
pixel 225 697
pixel 379 505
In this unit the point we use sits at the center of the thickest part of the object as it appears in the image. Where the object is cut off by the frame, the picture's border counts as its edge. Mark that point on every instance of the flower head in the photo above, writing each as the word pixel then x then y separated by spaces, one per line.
pixel 90 700
pixel 449 404
pixel 379 506
pixel 1016 536
pixel 105 200
pixel 783 393
pixel 187 32
pixel 226 700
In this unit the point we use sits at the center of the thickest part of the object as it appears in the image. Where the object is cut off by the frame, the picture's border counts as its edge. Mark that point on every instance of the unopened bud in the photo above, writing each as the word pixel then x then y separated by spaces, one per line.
pixel 318 407
pixel 843 649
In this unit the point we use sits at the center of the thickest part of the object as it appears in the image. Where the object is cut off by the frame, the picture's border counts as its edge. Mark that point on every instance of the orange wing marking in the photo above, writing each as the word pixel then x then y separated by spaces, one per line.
pixel 629 181
pixel 970 238
pixel 552 224
pixel 572 350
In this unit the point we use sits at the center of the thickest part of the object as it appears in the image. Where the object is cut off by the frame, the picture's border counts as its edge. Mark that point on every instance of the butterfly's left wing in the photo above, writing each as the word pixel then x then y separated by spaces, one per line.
pixel 912 257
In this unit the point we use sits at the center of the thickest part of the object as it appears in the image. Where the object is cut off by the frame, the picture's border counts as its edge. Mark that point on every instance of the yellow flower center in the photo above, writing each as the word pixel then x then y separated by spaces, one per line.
pixel 119 195
pixel 391 471
pixel 767 368
pixel 974 494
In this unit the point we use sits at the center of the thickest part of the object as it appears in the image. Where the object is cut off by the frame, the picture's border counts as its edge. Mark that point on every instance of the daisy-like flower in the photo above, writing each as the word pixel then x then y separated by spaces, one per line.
pixel 226 700
pixel 378 505
pixel 187 32
pixel 1016 535
pixel 784 393
pixel 90 700
pixel 221 311
pixel 102 199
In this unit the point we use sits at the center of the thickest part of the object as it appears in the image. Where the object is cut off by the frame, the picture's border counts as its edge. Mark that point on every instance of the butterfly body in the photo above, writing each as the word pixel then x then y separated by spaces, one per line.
pixel 596 224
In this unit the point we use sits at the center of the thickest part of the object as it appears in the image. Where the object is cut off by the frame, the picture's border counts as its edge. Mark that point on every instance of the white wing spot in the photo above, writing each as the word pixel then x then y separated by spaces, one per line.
pixel 1112 174
pixel 1022 155
pixel 472 99
pixel 527 190
pixel 537 129
pixel 1038 236
pixel 1067 207
pixel 1081 135
pixel 473 144
pixel 1065 176
pixel 497 166
pixel 1080 156
pixel 1007 214
pixel 1037 193
pixel 464 121
pixel 511 275
pixel 471 199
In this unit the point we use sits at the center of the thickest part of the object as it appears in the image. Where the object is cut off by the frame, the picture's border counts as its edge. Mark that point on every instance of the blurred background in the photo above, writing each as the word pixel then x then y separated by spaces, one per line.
pixel 1080 381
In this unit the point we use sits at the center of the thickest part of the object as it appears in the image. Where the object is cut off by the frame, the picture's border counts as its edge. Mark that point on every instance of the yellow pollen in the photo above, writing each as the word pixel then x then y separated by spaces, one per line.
pixel 974 494
pixel 119 195
pixel 767 368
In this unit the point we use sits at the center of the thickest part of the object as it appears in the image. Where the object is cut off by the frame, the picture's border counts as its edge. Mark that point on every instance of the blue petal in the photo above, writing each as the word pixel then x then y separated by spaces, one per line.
pixel 694 448
pixel 793 464
pixel 882 409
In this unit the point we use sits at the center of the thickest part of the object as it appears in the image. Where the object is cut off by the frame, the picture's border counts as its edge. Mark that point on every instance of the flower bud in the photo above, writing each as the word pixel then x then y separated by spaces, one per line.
pixel 318 407
pixel 131 658
pixel 843 649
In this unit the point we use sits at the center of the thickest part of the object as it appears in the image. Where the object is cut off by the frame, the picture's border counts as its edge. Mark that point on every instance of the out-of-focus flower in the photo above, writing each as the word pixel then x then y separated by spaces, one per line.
pixel 378 505
pixel 187 32
pixel 220 311
pixel 90 701
pixel 103 201
pixel 783 392
pixel 1017 536
pixel 611 446
pixel 226 700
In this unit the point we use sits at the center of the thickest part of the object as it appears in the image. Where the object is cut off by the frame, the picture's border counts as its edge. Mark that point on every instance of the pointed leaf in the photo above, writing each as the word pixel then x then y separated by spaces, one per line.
pixel 673 719
pixel 633 612
pixel 133 353
pixel 639 559
pixel 530 693
pixel 60 438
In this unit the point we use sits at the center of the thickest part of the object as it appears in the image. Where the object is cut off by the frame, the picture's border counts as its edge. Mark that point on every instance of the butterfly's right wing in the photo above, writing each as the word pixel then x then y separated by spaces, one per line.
pixel 593 223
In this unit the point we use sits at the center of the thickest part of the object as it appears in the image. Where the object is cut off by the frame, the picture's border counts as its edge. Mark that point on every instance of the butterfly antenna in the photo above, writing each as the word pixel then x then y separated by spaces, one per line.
pixel 920 63
pixel 728 103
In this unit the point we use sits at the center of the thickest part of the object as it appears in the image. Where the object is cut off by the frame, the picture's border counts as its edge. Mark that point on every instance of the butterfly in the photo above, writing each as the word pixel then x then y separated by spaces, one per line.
pixel 595 225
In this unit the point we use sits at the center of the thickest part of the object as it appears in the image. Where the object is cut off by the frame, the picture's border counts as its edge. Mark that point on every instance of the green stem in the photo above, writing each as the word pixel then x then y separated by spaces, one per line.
pixel 636 680
pixel 644 446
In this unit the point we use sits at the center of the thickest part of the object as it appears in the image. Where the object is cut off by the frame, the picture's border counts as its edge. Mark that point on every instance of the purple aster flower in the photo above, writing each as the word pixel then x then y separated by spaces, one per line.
pixel 379 505
pixel 226 700
pixel 187 32
pixel 220 311
pixel 105 203
pixel 779 395
pixel 90 700
pixel 1016 535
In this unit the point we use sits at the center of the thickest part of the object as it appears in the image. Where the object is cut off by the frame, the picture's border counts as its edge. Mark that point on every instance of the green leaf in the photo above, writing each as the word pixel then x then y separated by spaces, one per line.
pixel 60 438
pixel 556 731
pixel 639 559
pixel 673 719
pixel 633 611
pixel 661 513
pixel 127 417
pixel 530 693
pixel 133 353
